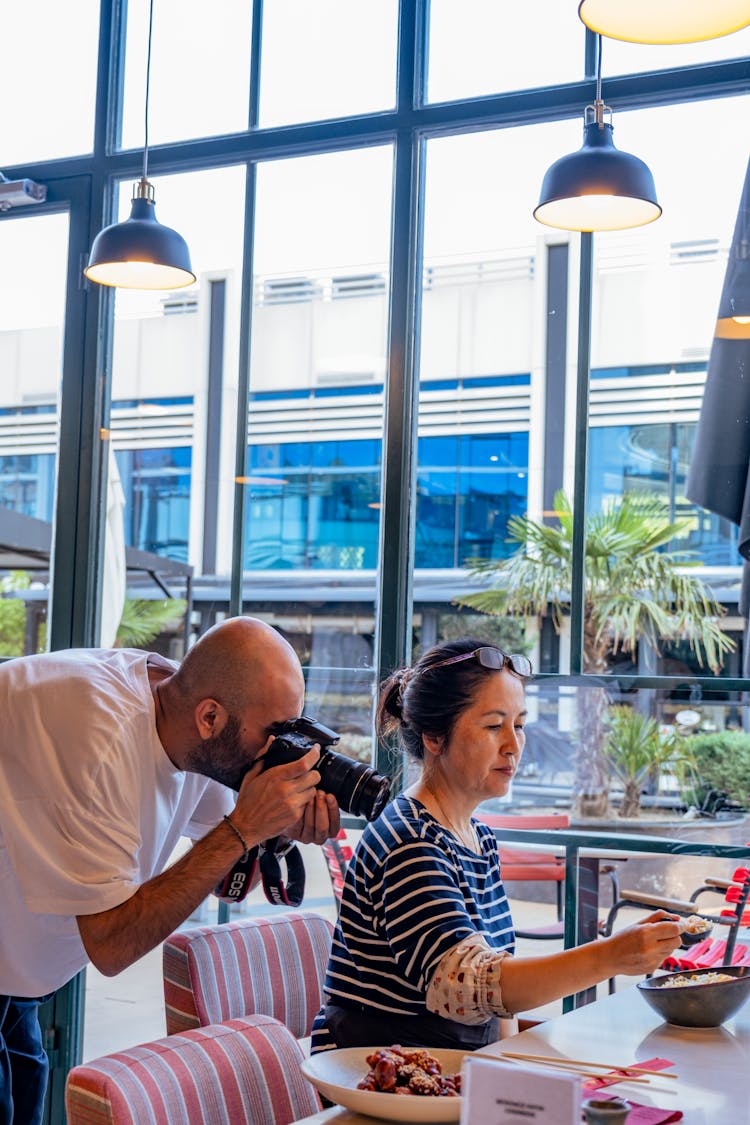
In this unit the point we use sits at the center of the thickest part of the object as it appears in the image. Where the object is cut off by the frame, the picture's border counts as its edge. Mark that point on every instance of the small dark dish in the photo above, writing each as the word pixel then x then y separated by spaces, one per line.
pixel 698 1005
pixel 688 939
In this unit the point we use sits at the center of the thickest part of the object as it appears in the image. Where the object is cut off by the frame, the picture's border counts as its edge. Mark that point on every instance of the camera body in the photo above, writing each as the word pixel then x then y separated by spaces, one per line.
pixel 357 788
pixel 295 737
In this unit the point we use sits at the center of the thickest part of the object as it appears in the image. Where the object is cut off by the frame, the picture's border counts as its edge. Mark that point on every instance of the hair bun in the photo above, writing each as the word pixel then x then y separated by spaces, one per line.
pixel 400 683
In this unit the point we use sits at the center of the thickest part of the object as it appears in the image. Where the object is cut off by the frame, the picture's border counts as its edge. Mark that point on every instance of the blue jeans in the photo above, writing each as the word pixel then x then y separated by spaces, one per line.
pixel 23 1062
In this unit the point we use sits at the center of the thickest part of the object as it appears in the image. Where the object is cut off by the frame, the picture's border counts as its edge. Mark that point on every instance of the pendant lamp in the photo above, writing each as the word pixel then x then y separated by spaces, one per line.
pixel 664 21
pixel 140 253
pixel 733 320
pixel 598 187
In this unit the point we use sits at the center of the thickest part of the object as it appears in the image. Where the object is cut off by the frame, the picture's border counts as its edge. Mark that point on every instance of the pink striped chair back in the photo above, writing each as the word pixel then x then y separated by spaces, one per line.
pixel 274 964
pixel 242 1072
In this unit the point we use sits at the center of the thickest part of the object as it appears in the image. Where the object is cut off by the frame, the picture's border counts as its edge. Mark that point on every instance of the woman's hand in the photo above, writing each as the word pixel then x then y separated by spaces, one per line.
pixel 642 947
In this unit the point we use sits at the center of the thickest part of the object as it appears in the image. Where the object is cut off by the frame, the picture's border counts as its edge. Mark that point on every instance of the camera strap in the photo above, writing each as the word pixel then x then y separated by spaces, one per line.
pixel 291 892
pixel 238 881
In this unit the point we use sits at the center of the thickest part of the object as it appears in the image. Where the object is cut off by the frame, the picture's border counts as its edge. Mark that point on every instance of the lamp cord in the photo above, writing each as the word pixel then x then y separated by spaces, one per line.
pixel 598 68
pixel 148 83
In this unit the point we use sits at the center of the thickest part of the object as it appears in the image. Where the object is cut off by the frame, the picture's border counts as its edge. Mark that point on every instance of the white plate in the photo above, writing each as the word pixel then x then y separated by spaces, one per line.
pixel 336 1074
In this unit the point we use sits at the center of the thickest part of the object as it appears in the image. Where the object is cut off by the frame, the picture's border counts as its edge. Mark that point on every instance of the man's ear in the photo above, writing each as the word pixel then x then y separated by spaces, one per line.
pixel 210 718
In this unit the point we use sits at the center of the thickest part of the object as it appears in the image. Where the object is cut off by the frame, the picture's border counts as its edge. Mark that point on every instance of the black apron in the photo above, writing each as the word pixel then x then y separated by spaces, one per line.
pixel 354 1025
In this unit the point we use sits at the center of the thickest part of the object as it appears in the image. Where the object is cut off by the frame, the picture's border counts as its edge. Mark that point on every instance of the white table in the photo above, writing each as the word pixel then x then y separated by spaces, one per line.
pixel 713 1064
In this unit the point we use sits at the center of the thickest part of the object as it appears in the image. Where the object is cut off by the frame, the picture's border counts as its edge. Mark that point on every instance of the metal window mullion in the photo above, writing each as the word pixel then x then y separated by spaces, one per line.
pixel 256 37
pixel 393 609
pixel 578 578
pixel 236 583
pixel 236 586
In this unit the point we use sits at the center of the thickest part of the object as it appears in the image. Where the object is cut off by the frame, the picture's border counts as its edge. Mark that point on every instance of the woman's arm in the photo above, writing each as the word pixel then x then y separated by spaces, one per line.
pixel 528 982
pixel 474 981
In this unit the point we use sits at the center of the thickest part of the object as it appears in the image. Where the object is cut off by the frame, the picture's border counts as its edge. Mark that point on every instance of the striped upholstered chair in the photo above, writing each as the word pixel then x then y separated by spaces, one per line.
pixel 274 964
pixel 242 1072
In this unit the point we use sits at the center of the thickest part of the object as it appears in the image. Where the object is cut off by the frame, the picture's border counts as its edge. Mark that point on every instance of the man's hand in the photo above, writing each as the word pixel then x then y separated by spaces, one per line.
pixel 271 800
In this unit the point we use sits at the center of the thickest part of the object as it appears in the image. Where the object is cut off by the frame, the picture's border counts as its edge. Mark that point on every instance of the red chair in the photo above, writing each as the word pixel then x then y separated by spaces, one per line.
pixel 241 1072
pixel 274 964
pixel 522 865
pixel 337 853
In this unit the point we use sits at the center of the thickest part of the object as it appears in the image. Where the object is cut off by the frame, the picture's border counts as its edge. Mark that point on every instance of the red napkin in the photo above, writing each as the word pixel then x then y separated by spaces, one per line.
pixel 639 1114
pixel 651 1115
pixel 613 1076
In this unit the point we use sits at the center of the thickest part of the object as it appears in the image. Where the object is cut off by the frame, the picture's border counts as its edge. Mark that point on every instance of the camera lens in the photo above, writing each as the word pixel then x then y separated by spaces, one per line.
pixel 358 789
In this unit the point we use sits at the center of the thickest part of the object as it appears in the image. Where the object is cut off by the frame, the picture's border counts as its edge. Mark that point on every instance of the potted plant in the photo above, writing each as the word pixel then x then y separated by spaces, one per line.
pixel 638 751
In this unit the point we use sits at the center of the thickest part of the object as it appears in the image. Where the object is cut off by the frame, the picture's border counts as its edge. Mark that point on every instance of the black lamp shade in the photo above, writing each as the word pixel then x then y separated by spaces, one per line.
pixel 598 187
pixel 140 253
pixel 664 21
pixel 733 321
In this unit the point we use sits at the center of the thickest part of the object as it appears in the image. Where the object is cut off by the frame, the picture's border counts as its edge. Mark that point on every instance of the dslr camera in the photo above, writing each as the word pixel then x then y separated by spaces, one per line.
pixel 358 789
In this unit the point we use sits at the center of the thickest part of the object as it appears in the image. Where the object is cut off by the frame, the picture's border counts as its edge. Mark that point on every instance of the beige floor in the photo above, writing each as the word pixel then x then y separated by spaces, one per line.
pixel 128 1009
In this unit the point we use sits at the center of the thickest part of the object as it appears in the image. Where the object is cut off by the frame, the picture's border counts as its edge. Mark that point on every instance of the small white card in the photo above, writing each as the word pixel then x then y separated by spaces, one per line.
pixel 500 1093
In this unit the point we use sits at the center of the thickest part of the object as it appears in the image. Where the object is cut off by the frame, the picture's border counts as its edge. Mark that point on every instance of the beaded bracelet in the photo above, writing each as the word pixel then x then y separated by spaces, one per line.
pixel 239 836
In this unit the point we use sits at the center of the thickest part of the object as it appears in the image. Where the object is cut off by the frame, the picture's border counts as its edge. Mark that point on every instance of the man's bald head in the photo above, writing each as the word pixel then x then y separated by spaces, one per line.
pixel 238 662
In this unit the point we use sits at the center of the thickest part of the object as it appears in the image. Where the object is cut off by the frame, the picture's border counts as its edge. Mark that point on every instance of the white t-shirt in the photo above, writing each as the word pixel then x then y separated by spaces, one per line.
pixel 90 804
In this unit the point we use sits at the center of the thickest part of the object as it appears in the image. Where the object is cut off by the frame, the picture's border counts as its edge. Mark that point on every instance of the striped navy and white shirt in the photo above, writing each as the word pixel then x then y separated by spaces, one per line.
pixel 412 892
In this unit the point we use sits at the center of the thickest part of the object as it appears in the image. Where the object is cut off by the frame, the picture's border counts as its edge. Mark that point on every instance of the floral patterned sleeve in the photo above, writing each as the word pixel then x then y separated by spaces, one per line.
pixel 466 984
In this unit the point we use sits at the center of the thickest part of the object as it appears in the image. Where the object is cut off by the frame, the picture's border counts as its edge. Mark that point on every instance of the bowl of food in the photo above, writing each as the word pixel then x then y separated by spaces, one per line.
pixel 393 1083
pixel 695 930
pixel 698 997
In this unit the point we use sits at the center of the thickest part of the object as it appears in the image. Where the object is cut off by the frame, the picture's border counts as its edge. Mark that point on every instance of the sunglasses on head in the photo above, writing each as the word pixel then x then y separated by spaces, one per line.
pixel 493 658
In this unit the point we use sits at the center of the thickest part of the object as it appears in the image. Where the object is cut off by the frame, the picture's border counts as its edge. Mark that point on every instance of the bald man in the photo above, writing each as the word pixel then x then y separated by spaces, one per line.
pixel 107 758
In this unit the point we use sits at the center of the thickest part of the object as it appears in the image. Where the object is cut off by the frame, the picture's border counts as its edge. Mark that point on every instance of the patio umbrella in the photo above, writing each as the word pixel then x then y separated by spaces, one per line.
pixel 719 474
pixel 114 571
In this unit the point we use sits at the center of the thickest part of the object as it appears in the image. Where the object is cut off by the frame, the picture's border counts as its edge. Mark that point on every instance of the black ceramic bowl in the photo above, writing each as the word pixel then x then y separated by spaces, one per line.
pixel 698 1005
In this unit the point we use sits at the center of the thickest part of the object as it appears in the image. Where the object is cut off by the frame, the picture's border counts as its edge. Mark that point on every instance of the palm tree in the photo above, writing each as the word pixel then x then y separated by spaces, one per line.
pixel 143 619
pixel 634 590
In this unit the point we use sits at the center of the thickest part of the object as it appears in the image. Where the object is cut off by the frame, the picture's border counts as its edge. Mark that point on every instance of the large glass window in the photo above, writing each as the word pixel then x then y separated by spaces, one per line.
pixel 175 395
pixel 48 90
pixel 348 274
pixel 156 483
pixel 317 371
pixel 200 70
pixel 656 294
pixel 483 454
pixel 314 505
pixel 327 58
pixel 32 310
pixel 482 47
pixel 467 489
pixel 653 459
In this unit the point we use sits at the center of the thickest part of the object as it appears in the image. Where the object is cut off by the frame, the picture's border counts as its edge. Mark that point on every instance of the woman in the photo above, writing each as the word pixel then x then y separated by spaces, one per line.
pixel 422 953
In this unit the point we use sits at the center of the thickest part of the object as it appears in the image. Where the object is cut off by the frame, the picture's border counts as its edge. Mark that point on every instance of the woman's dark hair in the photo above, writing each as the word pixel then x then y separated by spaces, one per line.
pixel 416 701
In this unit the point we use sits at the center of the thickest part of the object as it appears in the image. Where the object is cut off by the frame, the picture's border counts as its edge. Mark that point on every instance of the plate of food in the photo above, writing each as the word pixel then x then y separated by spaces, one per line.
pixel 394 1083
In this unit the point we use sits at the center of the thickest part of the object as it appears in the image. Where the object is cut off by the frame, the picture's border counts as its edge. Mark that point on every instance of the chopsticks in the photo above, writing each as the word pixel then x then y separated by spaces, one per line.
pixel 578 1064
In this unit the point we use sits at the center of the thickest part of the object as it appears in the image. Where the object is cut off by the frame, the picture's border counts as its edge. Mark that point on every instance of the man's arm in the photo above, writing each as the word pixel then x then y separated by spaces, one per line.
pixel 115 938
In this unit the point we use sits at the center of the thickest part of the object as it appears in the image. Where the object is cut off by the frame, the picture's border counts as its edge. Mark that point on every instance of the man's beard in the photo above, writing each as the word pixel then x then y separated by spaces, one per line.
pixel 222 757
